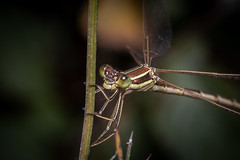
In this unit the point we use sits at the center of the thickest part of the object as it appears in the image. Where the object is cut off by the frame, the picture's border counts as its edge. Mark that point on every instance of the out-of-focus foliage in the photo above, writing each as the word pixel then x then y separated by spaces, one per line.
pixel 42 67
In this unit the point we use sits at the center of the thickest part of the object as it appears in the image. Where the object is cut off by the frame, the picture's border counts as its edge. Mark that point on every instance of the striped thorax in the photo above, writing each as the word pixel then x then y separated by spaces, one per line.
pixel 139 78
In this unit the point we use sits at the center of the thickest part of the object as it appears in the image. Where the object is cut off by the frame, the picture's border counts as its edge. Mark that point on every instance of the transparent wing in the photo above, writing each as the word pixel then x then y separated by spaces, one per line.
pixel 157 33
pixel 157 27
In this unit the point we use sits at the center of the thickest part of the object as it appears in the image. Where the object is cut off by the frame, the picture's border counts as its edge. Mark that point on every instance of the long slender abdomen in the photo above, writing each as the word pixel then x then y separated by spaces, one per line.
pixel 197 94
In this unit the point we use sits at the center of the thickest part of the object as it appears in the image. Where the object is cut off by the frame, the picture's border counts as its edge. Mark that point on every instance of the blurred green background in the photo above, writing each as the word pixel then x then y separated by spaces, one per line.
pixel 43 54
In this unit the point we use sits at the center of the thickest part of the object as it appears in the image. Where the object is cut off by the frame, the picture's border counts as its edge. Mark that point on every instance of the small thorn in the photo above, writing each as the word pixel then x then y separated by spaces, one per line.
pixel 130 138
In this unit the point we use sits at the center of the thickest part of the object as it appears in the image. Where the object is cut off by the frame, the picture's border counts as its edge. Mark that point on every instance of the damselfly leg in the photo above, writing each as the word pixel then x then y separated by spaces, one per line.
pixel 115 120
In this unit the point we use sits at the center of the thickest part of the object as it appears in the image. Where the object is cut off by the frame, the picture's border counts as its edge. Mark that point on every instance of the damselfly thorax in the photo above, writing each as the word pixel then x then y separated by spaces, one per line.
pixel 157 39
pixel 139 78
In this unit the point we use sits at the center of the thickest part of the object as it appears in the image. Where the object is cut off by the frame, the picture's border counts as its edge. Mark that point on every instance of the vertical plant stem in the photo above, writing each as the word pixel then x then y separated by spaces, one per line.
pixel 90 79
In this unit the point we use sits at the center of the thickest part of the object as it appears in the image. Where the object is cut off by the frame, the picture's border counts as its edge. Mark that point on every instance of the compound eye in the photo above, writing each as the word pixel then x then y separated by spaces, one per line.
pixel 102 70
pixel 124 81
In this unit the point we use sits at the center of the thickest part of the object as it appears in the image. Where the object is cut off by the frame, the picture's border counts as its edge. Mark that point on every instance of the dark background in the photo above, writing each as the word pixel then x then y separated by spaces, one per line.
pixel 43 54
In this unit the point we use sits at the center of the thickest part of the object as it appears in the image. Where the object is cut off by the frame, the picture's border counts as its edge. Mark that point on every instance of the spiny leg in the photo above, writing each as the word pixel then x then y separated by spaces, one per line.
pixel 101 89
pixel 118 108
pixel 120 112
pixel 113 117
pixel 99 114
pixel 108 99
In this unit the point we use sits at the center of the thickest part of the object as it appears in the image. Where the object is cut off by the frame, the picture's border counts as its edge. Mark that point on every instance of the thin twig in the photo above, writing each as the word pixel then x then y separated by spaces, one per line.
pixel 129 143
pixel 90 79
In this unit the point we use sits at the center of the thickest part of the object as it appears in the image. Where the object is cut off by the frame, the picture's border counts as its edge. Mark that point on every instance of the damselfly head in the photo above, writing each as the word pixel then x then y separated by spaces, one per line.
pixel 110 76
pixel 108 73
pixel 113 79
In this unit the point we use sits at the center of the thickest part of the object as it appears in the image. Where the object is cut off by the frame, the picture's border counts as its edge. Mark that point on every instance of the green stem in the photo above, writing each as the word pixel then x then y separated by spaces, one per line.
pixel 90 79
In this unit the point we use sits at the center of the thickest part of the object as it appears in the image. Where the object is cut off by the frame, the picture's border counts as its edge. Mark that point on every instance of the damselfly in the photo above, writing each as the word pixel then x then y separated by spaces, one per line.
pixel 157 39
